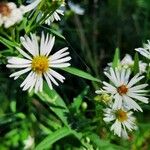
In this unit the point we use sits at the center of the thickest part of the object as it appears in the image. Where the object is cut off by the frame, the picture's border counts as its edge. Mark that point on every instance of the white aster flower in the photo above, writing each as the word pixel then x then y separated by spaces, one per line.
pixel 56 15
pixel 128 62
pixel 10 14
pixel 28 143
pixel 76 8
pixel 144 51
pixel 123 121
pixel 124 90
pixel 38 62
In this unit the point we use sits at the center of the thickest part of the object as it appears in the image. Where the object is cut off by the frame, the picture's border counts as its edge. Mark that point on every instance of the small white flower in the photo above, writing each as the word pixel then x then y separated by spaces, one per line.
pixel 123 121
pixel 56 15
pixel 39 62
pixel 10 14
pixel 128 62
pixel 29 142
pixel 144 51
pixel 125 91
pixel 76 8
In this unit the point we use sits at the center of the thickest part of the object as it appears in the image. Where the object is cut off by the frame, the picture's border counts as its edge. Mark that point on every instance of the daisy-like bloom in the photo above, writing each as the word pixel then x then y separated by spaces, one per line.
pixel 38 62
pixel 10 14
pixel 128 62
pixel 124 90
pixel 145 51
pixel 56 15
pixel 123 120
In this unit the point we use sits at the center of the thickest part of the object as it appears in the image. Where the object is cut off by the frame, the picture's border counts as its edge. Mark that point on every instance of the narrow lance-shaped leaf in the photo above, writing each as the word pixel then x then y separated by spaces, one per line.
pixel 136 63
pixel 77 101
pixel 116 59
pixel 55 102
pixel 8 43
pixel 80 73
pixel 52 138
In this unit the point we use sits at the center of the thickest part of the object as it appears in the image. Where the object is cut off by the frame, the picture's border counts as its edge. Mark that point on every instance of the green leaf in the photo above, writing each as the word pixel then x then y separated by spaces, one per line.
pixel 54 32
pixel 8 43
pixel 116 59
pixel 57 105
pixel 136 64
pixel 52 138
pixel 55 102
pixel 78 100
pixel 103 144
pixel 57 33
pixel 80 73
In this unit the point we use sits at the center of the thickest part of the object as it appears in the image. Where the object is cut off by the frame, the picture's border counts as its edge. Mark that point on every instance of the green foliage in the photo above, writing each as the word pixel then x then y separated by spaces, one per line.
pixel 67 117
pixel 136 63
pixel 80 73
pixel 116 59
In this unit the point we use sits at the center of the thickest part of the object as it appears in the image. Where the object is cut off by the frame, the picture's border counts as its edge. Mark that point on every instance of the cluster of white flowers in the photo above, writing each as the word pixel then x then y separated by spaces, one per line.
pixel 37 61
pixel 54 16
pixel 128 62
pixel 122 92
pixel 10 14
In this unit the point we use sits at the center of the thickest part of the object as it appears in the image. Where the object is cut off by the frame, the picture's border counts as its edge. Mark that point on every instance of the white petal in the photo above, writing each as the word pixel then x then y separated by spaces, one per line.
pixel 28 79
pixel 23 53
pixel 131 103
pixel 17 60
pixel 48 81
pixel 30 6
pixel 52 79
pixel 52 58
pixel 61 60
pixel 138 97
pixel 134 80
pixel 118 101
pixel 138 87
pixel 57 75
pixel 50 45
pixel 57 54
pixel 18 66
pixel 18 73
pixel 60 65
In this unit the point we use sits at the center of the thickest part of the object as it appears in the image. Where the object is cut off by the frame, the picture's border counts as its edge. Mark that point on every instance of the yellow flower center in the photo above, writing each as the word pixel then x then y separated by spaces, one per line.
pixel 4 9
pixel 121 115
pixel 40 64
pixel 122 89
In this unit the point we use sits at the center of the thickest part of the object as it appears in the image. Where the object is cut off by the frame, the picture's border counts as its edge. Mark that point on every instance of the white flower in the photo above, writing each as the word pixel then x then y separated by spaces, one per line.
pixel 145 51
pixel 76 8
pixel 29 142
pixel 55 15
pixel 38 62
pixel 125 91
pixel 10 14
pixel 123 121
pixel 128 62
